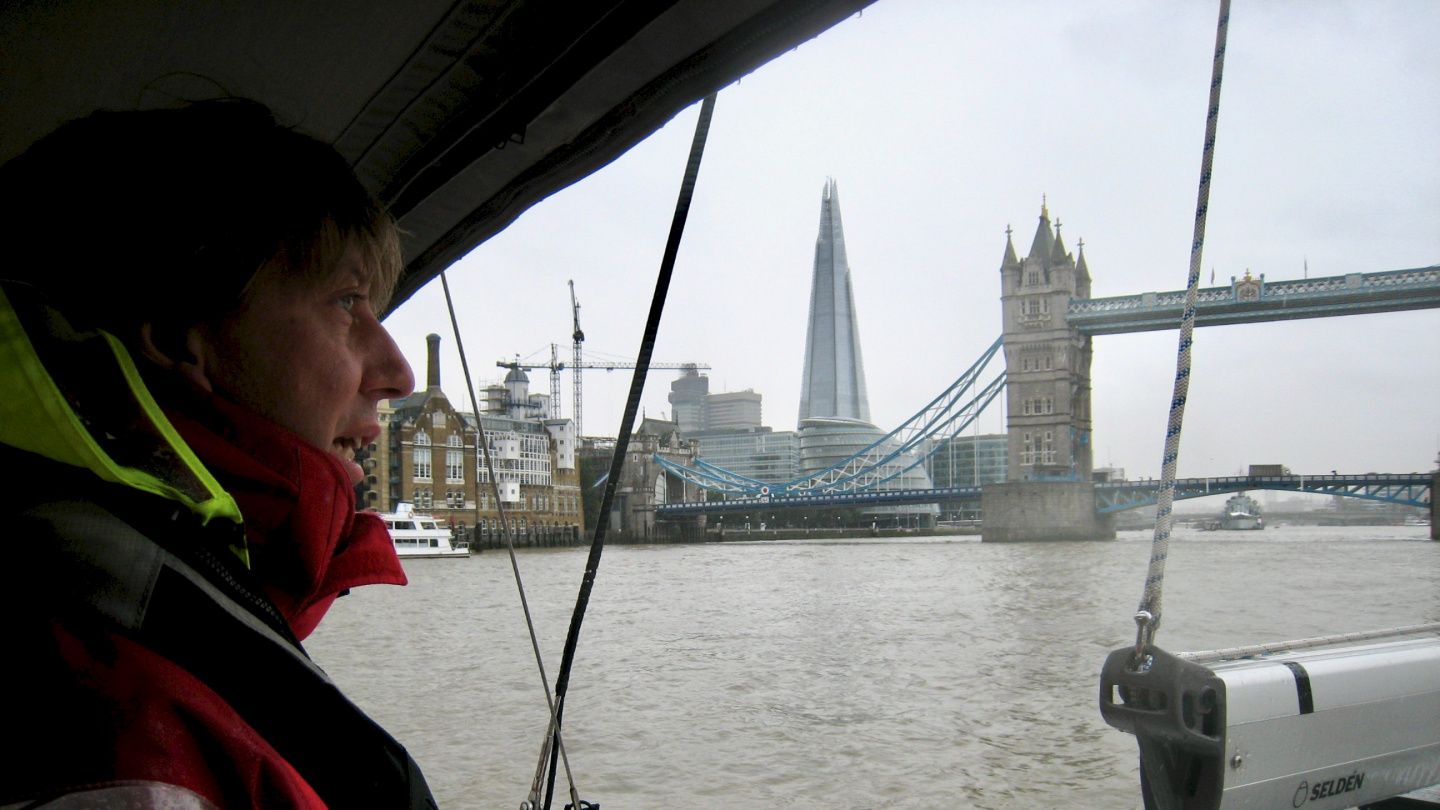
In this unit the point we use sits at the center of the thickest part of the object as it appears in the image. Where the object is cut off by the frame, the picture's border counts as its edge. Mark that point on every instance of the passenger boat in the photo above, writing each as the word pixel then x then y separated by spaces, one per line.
pixel 421 535
pixel 1241 513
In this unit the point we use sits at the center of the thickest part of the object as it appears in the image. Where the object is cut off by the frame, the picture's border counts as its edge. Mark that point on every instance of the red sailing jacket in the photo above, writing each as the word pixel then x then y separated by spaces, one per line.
pixel 89 705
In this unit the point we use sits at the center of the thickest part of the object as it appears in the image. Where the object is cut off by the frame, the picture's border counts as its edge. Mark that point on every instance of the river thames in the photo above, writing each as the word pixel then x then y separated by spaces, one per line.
pixel 924 673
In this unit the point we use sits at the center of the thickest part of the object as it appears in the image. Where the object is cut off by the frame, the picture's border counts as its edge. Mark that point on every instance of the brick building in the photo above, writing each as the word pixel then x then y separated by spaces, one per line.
pixel 427 455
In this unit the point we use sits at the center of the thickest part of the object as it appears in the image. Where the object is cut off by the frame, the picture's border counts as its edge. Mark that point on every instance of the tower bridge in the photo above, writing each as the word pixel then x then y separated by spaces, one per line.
pixel 1252 300
pixel 1049 320
pixel 1409 489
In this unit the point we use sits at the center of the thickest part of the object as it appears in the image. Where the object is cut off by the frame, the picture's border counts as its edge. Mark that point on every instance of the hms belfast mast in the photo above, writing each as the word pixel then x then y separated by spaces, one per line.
pixel 834 382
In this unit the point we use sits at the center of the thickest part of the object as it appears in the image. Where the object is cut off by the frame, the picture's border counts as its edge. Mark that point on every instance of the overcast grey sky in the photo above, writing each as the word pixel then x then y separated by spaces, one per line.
pixel 943 122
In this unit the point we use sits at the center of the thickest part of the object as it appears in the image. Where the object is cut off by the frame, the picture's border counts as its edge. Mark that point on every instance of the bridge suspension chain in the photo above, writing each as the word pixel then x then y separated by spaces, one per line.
pixel 924 434
pixel 1147 618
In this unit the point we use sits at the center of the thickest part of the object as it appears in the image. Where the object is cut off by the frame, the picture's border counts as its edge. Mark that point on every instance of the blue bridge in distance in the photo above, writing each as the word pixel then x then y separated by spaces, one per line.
pixel 1411 489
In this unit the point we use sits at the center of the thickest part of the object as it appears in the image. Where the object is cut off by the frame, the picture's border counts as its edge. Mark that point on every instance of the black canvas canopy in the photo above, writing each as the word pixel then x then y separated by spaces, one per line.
pixel 459 114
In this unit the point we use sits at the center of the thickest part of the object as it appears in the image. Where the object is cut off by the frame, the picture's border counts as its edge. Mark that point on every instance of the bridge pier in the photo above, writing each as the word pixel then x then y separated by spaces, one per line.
pixel 1026 511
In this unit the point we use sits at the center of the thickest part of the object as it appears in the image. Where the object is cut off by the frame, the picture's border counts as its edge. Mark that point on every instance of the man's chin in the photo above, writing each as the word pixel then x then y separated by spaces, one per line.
pixel 357 474
pixel 352 469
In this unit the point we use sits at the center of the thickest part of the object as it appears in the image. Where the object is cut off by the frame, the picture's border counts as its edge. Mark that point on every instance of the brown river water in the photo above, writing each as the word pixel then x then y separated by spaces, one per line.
pixel 925 673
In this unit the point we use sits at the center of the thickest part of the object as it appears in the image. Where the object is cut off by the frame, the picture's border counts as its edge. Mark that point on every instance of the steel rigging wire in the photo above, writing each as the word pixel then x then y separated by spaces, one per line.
pixel 507 531
pixel 554 748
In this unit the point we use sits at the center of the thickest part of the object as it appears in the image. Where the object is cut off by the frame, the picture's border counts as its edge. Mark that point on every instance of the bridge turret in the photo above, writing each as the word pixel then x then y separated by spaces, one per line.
pixel 1010 260
pixel 1009 267
pixel 1043 242
pixel 1057 253
pixel 1048 363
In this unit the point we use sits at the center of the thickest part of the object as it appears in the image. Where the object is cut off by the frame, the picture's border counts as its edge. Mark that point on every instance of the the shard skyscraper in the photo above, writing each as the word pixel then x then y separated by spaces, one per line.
pixel 834 383
pixel 834 407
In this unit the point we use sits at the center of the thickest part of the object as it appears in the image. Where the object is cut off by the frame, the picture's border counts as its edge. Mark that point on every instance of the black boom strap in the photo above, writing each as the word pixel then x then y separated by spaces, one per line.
pixel 632 405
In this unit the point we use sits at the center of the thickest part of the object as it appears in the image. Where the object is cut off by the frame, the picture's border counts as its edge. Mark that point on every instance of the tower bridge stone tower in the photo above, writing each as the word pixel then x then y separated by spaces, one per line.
pixel 1048 494
pixel 1047 362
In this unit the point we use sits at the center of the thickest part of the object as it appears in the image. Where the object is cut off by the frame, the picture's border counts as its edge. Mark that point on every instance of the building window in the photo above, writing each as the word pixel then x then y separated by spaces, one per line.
pixel 454 466
pixel 422 461
pixel 1037 305
pixel 1032 277
pixel 1039 406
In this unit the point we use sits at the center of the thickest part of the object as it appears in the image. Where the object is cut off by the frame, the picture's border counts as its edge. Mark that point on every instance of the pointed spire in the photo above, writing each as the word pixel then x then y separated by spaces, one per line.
pixel 1082 271
pixel 834 378
pixel 1010 260
pixel 1040 247
pixel 1057 253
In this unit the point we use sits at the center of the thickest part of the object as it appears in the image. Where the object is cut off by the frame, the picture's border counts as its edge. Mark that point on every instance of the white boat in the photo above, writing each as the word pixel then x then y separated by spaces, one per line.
pixel 1241 512
pixel 421 535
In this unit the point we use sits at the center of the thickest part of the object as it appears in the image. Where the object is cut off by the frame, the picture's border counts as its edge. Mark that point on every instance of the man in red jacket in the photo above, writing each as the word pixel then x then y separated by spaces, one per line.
pixel 190 355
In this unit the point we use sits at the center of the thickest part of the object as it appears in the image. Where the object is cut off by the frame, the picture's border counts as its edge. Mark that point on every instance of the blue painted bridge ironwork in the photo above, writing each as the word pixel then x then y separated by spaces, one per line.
pixel 1252 300
pixel 1412 489
pixel 886 497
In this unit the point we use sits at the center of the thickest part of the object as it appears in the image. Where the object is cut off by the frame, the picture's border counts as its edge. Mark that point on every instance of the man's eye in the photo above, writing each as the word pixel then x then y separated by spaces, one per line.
pixel 347 302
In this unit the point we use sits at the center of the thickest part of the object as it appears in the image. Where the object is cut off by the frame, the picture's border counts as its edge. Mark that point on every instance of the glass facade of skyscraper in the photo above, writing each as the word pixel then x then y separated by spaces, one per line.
pixel 758 453
pixel 969 461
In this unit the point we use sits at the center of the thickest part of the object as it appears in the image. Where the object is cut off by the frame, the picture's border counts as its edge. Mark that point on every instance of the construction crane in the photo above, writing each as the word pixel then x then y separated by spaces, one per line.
pixel 555 367
pixel 579 363
pixel 578 337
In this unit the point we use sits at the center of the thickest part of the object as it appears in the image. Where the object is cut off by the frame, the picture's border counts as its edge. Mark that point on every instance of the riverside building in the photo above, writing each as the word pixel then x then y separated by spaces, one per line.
pixel 427 455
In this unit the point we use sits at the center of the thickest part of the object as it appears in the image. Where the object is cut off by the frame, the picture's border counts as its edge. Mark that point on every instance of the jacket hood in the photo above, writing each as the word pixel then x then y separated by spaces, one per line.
pixel 75 396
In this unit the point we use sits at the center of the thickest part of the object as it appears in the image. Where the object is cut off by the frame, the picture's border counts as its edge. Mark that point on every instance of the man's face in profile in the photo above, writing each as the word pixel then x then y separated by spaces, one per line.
pixel 309 354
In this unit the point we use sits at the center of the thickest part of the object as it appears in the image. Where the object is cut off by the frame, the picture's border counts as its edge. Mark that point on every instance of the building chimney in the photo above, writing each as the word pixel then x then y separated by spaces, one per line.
pixel 432 362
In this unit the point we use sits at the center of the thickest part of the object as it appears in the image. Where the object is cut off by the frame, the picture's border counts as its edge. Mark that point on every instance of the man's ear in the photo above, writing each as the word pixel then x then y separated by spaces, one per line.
pixel 184 353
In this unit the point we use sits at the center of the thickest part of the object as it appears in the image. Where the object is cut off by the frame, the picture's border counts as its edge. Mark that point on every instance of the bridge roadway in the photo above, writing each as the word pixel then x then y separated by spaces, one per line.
pixel 1413 489
pixel 1252 300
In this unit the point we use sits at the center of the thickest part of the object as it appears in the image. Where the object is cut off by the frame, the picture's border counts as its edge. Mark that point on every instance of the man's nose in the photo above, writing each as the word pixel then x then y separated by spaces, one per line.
pixel 387 373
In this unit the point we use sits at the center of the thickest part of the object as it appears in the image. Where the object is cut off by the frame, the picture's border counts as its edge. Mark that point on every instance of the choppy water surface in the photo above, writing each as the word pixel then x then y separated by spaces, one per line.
pixel 834 674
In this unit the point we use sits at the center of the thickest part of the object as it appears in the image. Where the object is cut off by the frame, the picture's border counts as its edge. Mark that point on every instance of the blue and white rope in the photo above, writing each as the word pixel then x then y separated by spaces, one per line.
pixel 1148 616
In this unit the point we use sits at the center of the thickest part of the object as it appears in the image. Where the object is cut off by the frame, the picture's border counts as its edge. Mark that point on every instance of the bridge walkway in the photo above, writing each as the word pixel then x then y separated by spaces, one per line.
pixel 1412 489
